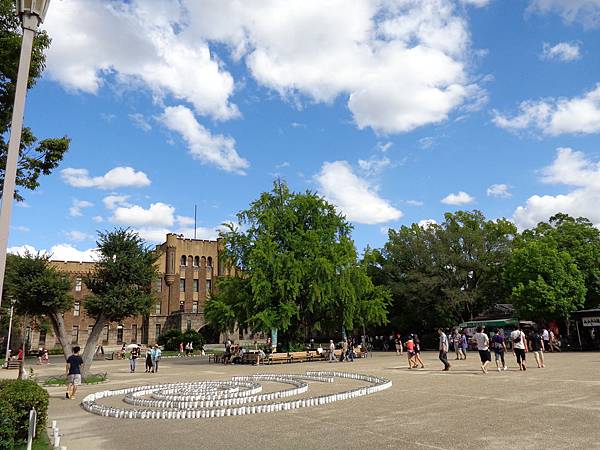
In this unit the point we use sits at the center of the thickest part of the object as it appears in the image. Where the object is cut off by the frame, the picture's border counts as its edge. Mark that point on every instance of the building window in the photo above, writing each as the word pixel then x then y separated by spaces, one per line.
pixel 208 287
pixel 209 261
pixel 159 285
pixel 183 261
pixel 196 285
pixel 157 331
pixel 75 334
pixel 181 305
pixel 196 261
pixel 76 308
pixel 157 309
pixel 203 261
pixel 189 324
pixel 134 333
pixel 106 334
pixel 42 337
pixel 195 306
pixel 182 285
pixel 119 334
pixel 77 284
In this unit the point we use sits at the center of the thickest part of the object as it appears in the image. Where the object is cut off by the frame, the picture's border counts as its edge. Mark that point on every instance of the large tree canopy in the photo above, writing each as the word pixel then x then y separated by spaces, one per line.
pixel 446 273
pixel 36 157
pixel 298 269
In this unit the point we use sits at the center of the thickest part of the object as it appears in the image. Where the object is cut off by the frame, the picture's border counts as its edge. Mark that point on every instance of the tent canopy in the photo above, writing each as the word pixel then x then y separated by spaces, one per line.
pixel 490 323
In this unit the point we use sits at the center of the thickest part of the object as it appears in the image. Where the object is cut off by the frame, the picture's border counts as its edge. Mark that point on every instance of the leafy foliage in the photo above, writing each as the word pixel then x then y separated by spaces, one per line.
pixel 547 283
pixel 8 419
pixel 442 274
pixel 38 288
pixel 23 395
pixel 171 339
pixel 35 157
pixel 122 278
pixel 298 269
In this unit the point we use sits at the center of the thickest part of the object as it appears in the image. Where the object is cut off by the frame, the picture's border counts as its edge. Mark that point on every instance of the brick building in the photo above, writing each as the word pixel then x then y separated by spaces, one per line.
pixel 187 271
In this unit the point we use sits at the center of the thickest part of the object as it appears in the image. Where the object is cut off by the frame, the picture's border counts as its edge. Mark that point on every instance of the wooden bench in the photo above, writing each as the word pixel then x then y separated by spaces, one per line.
pixel 277 358
pixel 13 364
pixel 299 356
pixel 215 357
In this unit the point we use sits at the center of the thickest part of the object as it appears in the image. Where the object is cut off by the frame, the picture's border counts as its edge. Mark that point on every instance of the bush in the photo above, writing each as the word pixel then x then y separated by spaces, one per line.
pixel 170 339
pixel 8 418
pixel 23 395
pixel 194 337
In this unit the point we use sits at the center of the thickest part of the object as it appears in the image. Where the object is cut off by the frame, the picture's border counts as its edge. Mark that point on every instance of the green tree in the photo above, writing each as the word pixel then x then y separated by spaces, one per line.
pixel 120 283
pixel 440 274
pixel 40 291
pixel 546 283
pixel 581 239
pixel 36 157
pixel 298 270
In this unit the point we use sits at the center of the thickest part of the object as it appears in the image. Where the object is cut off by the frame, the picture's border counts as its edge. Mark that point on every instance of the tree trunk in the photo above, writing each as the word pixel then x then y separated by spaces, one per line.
pixel 91 344
pixel 58 323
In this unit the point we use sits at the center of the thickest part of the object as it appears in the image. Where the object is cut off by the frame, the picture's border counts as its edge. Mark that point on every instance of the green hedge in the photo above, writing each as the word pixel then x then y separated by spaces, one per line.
pixel 8 417
pixel 170 339
pixel 21 396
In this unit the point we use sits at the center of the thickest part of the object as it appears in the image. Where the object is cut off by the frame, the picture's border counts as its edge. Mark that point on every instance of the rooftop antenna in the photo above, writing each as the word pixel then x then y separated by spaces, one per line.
pixel 194 221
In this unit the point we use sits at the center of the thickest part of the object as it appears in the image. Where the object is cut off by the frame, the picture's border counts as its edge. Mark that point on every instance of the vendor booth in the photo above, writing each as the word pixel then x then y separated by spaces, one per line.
pixel 587 322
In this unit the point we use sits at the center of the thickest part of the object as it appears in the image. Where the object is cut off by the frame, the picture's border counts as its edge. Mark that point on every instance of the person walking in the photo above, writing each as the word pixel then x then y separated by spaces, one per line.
pixel 73 369
pixel 546 338
pixel 536 345
pixel 398 344
pixel 443 348
pixel 417 343
pixel 156 354
pixel 148 360
pixel 456 342
pixel 410 352
pixel 180 348
pixel 519 342
pixel 331 351
pixel 464 344
pixel 133 356
pixel 499 347
pixel 344 355
pixel 483 347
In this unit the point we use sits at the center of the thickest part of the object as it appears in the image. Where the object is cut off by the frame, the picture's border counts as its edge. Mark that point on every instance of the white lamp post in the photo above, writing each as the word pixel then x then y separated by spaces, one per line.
pixel 31 13
pixel 12 308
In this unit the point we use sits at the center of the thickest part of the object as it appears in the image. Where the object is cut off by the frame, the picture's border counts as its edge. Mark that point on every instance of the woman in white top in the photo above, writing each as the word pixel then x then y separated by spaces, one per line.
pixel 519 342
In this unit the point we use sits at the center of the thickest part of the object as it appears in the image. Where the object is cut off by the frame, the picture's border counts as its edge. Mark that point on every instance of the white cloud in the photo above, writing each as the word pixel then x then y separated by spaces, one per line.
pixel 158 235
pixel 476 3
pixel 77 206
pixel 355 197
pixel 461 198
pixel 157 215
pixel 113 200
pixel 586 12
pixel 427 142
pixel 75 235
pixel 21 228
pixel 374 165
pixel 563 51
pixel 218 150
pixel 570 168
pixel 184 221
pixel 140 121
pixel 426 223
pixel 135 44
pixel 114 178
pixel 555 116
pixel 282 165
pixel 59 252
pixel 98 219
pixel 414 202
pixel 499 190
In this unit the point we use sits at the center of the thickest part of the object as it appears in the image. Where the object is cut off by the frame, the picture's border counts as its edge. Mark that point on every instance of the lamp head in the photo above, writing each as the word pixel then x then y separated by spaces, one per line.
pixel 32 12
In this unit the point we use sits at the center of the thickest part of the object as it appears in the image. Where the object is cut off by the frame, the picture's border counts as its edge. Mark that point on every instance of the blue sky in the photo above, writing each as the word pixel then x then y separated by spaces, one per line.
pixel 394 110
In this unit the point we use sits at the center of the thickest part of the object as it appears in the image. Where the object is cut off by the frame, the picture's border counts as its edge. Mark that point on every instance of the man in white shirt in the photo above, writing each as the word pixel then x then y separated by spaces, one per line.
pixel 519 346
pixel 443 347
pixel 483 346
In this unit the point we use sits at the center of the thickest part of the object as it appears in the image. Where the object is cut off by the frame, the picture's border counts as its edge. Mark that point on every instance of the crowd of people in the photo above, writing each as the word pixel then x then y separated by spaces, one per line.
pixel 518 340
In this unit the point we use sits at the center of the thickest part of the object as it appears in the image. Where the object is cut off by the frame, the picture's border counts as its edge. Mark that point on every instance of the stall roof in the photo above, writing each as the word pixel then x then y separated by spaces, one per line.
pixel 586 312
pixel 490 323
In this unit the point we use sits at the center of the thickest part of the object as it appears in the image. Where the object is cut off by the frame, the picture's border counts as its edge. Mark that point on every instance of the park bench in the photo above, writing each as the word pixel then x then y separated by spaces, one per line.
pixel 13 364
pixel 215 357
pixel 299 356
pixel 277 358
pixel 250 358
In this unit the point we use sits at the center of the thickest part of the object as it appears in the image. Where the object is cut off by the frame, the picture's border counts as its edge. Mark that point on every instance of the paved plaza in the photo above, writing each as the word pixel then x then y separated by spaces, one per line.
pixel 556 407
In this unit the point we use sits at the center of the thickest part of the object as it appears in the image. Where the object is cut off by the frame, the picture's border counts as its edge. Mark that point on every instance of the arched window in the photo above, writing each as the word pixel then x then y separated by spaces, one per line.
pixel 209 261
pixel 196 261
pixel 183 260
pixel 203 261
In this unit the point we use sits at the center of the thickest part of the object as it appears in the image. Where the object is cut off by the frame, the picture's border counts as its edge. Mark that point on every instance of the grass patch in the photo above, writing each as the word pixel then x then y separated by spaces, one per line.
pixel 42 442
pixel 62 380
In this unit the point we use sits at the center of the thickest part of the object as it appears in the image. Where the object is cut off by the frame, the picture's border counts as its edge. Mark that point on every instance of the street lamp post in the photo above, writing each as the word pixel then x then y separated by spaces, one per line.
pixel 31 13
pixel 12 309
